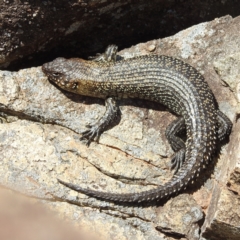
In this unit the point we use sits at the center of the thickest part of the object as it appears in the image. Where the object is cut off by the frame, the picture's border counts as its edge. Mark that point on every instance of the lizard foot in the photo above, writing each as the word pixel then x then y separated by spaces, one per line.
pixel 177 160
pixel 93 132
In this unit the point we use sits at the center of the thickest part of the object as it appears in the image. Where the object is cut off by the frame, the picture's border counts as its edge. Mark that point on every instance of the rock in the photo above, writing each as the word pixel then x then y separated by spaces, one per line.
pixel 180 217
pixel 222 220
pixel 223 216
pixel 39 142
pixel 30 29
pixel 228 68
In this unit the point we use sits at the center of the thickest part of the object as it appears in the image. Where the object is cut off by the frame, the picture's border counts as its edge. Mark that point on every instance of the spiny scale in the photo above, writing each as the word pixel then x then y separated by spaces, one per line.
pixel 162 79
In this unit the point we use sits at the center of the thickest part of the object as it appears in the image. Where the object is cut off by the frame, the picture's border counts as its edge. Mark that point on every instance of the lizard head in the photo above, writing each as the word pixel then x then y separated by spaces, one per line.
pixel 74 75
pixel 59 72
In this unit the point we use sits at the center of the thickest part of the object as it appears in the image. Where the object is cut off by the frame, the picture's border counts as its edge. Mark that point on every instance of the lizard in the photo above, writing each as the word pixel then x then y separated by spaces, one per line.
pixel 162 79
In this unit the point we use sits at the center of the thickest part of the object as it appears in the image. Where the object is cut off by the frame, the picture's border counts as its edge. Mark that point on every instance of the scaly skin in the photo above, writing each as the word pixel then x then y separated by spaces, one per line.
pixel 162 79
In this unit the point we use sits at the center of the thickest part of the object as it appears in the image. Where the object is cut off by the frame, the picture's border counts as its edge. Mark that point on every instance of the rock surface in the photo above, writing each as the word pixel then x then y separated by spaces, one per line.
pixel 39 142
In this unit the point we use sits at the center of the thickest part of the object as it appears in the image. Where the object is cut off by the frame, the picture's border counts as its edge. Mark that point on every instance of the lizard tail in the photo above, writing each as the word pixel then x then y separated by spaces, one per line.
pixel 177 183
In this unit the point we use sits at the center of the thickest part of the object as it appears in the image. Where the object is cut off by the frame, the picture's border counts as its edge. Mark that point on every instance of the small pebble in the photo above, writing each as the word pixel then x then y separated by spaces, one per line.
pixel 151 47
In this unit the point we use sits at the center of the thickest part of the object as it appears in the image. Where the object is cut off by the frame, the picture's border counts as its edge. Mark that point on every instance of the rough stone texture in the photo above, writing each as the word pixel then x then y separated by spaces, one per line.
pixel 225 219
pixel 77 27
pixel 223 215
pixel 180 216
pixel 39 142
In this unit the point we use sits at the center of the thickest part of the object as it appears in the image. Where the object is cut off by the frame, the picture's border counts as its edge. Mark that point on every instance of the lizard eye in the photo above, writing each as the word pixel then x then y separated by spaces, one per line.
pixel 56 74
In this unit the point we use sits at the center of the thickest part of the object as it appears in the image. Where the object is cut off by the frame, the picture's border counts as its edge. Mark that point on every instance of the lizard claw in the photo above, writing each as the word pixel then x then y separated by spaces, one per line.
pixel 90 134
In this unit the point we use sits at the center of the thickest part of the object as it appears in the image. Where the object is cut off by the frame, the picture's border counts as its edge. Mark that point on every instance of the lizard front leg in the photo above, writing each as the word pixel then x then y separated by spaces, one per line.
pixel 112 108
pixel 97 128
